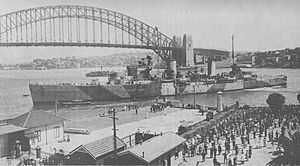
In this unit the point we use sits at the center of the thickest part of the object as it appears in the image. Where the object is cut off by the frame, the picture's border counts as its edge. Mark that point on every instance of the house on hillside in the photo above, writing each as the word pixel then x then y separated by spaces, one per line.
pixel 165 149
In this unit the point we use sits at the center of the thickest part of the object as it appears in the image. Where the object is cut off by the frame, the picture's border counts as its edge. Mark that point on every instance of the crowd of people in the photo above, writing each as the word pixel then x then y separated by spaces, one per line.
pixel 238 133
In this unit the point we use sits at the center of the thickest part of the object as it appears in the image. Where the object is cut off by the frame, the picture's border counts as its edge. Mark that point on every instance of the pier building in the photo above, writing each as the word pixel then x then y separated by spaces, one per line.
pixel 99 152
pixel 41 128
pixel 165 149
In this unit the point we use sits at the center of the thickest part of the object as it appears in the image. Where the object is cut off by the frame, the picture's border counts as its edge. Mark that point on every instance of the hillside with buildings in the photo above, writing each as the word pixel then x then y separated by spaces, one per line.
pixel 287 58
pixel 120 59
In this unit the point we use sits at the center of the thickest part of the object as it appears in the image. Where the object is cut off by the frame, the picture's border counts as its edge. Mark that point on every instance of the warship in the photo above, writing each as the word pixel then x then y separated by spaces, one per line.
pixel 143 85
pixel 141 82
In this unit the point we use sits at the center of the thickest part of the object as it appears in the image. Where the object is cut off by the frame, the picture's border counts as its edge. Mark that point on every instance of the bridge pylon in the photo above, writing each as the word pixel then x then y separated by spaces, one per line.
pixel 181 55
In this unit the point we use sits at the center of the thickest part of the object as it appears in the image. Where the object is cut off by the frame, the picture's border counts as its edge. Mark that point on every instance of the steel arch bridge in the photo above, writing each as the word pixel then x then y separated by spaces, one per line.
pixel 81 26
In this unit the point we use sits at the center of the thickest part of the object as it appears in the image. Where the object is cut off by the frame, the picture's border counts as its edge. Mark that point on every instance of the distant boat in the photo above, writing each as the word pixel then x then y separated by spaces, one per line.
pixel 98 74
pixel 26 95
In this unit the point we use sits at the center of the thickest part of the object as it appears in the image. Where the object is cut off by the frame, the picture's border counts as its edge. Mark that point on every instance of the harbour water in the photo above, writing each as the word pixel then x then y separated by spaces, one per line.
pixel 14 84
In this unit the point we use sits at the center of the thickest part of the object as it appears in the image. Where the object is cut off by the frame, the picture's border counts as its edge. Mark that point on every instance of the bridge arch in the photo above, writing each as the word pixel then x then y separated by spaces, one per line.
pixel 16 25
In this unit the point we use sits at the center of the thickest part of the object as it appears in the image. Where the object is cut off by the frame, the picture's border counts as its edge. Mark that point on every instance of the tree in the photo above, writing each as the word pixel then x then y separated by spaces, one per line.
pixel 275 102
pixel 290 155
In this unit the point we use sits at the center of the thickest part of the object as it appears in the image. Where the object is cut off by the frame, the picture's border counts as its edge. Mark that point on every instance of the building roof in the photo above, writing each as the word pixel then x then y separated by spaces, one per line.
pixel 100 147
pixel 6 129
pixel 33 119
pixel 156 146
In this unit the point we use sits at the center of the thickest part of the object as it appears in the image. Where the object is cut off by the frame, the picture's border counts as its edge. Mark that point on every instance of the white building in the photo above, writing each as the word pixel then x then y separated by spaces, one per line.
pixel 41 127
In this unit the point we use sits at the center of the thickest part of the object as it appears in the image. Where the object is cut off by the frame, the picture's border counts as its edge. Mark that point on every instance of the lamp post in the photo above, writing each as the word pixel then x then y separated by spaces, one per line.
pixel 194 86
pixel 194 94
pixel 115 134
pixel 113 111
pixel 55 107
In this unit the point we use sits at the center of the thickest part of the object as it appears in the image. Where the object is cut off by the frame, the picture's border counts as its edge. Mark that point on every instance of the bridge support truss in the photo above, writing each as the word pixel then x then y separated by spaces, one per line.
pixel 71 25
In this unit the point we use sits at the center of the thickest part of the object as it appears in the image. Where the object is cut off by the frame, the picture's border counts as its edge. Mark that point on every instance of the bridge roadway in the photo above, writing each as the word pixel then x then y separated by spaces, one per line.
pixel 82 44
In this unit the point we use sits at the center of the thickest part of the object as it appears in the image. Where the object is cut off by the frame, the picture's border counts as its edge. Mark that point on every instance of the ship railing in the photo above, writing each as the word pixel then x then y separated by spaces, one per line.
pixel 268 77
pixel 197 83
pixel 67 84
pixel 88 83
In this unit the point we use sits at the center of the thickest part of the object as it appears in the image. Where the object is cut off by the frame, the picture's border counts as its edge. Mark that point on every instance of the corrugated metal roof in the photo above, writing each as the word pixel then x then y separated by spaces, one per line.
pixel 33 119
pixel 157 146
pixel 6 129
pixel 101 147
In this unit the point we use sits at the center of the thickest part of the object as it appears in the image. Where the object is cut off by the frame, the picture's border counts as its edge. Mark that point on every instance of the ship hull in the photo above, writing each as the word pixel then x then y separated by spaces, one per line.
pixel 48 94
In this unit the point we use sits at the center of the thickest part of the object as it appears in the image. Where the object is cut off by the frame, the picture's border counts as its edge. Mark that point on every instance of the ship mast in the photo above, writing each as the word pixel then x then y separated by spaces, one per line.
pixel 232 47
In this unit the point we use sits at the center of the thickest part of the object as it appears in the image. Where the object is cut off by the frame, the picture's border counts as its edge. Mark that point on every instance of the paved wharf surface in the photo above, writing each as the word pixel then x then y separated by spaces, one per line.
pixel 96 122
pixel 128 123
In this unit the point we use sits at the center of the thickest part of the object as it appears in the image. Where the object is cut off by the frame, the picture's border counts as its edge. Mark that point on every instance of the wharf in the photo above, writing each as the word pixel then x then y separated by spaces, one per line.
pixel 129 123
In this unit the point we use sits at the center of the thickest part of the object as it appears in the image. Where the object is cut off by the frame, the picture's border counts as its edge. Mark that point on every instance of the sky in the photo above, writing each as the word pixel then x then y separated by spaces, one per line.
pixel 259 25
